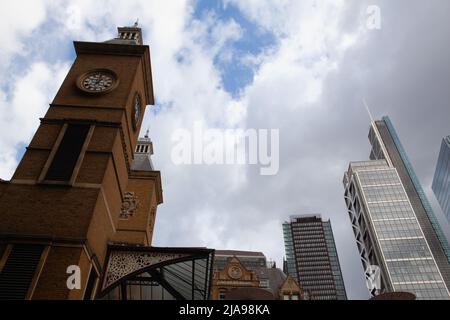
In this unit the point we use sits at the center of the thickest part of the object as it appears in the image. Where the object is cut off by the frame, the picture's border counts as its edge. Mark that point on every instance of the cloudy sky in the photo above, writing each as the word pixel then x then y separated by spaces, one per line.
pixel 302 67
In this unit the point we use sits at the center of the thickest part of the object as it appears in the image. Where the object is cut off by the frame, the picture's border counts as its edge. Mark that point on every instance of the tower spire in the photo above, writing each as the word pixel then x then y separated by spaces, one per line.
pixel 368 109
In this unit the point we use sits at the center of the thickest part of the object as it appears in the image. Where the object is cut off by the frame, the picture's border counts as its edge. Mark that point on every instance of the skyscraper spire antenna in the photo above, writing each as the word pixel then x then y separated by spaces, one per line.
pixel 368 110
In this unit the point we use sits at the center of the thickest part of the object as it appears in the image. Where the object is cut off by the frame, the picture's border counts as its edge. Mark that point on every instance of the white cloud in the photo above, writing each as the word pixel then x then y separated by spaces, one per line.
pixel 29 98
pixel 18 20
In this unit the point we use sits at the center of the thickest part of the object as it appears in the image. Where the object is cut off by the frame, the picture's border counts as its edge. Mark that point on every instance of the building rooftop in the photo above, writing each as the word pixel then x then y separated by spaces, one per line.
pixel 128 35
pixel 305 216
pixel 142 162
pixel 239 253
pixel 275 277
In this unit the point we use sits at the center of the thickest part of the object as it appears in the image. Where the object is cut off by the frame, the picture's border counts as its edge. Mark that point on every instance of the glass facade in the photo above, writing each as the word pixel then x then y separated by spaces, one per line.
pixel 311 257
pixel 411 178
pixel 334 261
pixel 380 211
pixel 394 225
pixel 441 181
pixel 289 265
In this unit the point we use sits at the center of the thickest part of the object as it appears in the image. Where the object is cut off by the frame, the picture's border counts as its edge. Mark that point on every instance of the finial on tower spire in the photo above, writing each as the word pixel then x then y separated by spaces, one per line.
pixel 146 134
pixel 136 24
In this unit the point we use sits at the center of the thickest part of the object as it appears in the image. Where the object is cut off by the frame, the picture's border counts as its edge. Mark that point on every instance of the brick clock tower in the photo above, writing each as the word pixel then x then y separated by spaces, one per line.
pixel 80 186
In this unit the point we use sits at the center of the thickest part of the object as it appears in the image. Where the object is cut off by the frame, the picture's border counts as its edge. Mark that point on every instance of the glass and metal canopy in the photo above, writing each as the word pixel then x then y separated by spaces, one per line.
pixel 149 273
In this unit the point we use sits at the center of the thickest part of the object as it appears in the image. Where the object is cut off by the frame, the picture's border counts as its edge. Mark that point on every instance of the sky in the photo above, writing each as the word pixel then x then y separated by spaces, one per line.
pixel 301 67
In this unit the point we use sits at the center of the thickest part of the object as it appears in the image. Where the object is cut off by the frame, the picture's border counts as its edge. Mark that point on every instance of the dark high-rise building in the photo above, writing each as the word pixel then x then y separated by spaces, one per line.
pixel 441 181
pixel 394 225
pixel 311 257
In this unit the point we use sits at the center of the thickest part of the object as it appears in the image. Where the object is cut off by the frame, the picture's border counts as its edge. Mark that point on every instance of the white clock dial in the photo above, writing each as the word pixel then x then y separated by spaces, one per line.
pixel 97 81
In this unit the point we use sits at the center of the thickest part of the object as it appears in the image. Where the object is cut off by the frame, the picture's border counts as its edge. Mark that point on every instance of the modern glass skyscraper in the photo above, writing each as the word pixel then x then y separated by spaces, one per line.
pixel 311 257
pixel 394 225
pixel 441 181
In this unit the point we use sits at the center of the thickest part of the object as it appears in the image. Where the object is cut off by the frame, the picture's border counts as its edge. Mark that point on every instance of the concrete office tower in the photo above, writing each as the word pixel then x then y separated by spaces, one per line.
pixel 311 257
pixel 441 181
pixel 393 222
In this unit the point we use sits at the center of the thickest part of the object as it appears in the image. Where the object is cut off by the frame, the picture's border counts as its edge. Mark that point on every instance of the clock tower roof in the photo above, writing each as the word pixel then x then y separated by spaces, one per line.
pixel 142 156
pixel 128 35
pixel 129 44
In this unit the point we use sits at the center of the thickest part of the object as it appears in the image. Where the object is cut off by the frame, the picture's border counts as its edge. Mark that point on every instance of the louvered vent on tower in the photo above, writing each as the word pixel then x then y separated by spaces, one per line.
pixel 18 272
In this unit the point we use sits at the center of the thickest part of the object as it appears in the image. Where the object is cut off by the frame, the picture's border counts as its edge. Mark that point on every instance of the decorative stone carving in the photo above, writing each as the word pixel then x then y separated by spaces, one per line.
pixel 123 263
pixel 129 205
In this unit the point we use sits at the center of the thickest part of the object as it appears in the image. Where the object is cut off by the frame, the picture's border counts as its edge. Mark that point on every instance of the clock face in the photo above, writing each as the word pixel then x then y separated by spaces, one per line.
pixel 97 81
pixel 136 110
pixel 235 272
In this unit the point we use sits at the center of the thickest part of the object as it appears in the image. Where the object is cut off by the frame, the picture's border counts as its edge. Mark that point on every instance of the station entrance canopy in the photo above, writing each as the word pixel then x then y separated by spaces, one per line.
pixel 150 273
